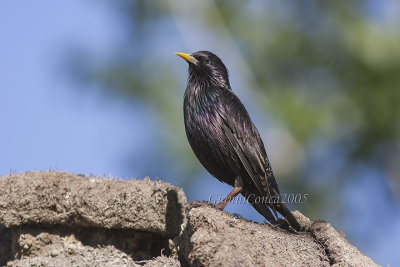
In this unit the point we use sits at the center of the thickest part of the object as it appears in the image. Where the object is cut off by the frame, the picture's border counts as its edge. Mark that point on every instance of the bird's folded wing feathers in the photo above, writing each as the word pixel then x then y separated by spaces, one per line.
pixel 243 158
pixel 243 135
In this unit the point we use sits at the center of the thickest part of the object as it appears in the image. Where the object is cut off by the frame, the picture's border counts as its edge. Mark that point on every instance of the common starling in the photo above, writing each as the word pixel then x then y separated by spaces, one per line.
pixel 225 140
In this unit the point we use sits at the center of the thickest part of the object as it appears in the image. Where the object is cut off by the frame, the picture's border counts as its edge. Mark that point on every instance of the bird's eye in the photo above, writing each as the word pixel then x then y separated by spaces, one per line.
pixel 206 60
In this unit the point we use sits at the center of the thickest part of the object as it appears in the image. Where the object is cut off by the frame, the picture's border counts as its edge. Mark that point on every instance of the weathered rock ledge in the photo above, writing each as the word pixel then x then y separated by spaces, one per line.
pixel 62 219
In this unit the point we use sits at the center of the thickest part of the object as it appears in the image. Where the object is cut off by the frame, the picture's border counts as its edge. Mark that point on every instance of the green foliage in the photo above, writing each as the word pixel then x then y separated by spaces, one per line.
pixel 323 69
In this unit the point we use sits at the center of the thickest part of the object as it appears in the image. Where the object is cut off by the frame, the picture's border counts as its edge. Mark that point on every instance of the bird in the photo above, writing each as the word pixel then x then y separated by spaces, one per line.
pixel 225 140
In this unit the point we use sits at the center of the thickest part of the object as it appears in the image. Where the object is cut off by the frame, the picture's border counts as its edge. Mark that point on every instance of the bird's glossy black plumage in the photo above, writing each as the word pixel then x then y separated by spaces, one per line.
pixel 224 138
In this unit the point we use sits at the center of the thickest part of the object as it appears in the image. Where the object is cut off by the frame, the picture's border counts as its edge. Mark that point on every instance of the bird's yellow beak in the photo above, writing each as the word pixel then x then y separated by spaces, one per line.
pixel 189 58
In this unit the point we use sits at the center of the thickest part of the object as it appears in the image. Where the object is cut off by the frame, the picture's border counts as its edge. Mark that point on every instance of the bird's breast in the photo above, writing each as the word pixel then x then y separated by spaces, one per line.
pixel 203 115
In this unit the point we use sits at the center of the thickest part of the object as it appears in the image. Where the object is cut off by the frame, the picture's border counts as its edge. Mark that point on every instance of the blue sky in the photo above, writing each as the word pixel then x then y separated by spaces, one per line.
pixel 50 122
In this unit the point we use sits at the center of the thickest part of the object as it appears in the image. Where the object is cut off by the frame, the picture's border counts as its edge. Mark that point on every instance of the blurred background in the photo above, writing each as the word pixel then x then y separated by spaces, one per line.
pixel 94 87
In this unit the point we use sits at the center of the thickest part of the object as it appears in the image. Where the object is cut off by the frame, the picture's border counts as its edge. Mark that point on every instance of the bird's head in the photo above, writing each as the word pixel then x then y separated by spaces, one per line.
pixel 206 69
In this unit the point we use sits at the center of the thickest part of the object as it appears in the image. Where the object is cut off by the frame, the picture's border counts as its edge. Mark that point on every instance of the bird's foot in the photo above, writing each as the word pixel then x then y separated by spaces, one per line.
pixel 220 206
pixel 283 224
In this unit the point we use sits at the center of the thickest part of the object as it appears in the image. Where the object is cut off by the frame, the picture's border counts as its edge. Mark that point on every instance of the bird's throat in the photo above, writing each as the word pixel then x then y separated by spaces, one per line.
pixel 202 99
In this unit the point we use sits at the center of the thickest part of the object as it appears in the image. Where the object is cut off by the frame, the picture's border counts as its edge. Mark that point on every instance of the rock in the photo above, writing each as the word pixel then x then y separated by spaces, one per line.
pixel 162 261
pixel 101 216
pixel 51 198
pixel 217 238
pixel 63 219
pixel 338 249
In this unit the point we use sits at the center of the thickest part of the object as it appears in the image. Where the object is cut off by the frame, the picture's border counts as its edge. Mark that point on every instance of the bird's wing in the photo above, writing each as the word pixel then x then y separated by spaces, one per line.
pixel 240 150
pixel 247 143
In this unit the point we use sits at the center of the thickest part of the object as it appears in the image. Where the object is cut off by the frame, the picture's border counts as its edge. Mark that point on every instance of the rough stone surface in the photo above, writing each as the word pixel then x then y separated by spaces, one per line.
pixel 136 217
pixel 61 219
pixel 63 198
pixel 338 249
pixel 41 248
pixel 88 256
pixel 215 238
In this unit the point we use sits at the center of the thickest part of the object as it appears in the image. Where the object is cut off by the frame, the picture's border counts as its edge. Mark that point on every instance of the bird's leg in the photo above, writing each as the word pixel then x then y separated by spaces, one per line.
pixel 231 195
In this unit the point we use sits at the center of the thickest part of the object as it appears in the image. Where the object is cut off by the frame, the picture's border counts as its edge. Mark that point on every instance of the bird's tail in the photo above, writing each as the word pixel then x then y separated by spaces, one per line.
pixel 262 208
pixel 265 211
pixel 284 210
